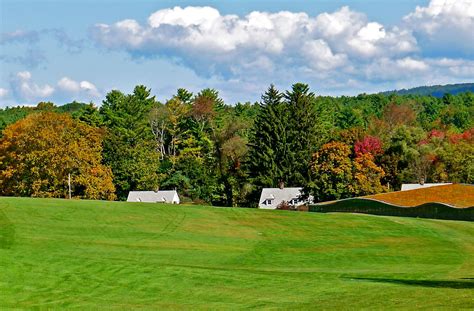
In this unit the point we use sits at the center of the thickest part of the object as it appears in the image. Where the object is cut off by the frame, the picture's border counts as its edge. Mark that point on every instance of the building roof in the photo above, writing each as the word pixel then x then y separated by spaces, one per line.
pixel 278 195
pixel 162 196
pixel 458 195
pixel 421 186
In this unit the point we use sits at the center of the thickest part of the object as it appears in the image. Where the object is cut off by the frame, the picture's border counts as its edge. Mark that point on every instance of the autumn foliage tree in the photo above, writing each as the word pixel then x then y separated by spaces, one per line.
pixel 449 157
pixel 38 153
pixel 368 145
pixel 367 176
pixel 332 172
pixel 396 115
pixel 339 174
pixel 203 110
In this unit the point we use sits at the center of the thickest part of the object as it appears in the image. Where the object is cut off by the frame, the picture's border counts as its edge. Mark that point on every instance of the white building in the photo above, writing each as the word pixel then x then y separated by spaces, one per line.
pixel 406 187
pixel 162 196
pixel 272 197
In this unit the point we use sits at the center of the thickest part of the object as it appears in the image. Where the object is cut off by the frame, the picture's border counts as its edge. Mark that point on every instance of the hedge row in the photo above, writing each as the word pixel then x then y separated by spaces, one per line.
pixel 368 206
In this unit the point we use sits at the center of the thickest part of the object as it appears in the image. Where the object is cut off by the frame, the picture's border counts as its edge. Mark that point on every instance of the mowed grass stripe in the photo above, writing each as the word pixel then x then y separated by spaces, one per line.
pixel 93 254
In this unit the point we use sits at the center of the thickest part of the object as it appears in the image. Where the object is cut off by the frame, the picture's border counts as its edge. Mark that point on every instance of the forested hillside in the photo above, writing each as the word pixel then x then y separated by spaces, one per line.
pixel 435 90
pixel 10 115
pixel 221 154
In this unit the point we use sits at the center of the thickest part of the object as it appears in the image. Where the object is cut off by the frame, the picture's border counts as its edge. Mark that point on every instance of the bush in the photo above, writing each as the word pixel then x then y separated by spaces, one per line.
pixel 285 206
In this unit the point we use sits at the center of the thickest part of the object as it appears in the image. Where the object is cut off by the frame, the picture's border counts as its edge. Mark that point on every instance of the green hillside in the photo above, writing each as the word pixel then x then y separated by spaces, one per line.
pixel 435 90
pixel 96 255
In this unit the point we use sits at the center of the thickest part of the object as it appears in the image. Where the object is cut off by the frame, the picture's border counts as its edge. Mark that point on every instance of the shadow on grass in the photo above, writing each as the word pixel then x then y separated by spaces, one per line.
pixel 467 283
pixel 7 231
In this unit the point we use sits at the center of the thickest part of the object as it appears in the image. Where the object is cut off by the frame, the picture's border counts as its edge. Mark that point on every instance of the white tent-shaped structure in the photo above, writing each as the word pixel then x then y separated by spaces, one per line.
pixel 162 196
pixel 406 187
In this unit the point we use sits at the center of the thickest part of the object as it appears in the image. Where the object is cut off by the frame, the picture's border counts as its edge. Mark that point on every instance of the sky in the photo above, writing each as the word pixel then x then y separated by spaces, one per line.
pixel 62 51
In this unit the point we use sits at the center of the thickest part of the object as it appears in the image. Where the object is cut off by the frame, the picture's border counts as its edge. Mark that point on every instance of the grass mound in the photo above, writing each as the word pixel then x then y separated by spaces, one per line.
pixel 458 195
pixel 95 255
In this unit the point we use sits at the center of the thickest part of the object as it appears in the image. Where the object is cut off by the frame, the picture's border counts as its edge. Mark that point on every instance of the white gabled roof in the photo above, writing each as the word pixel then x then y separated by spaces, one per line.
pixel 406 187
pixel 278 195
pixel 162 196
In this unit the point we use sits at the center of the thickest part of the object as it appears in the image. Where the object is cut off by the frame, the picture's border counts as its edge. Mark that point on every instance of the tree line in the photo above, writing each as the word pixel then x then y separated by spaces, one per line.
pixel 221 154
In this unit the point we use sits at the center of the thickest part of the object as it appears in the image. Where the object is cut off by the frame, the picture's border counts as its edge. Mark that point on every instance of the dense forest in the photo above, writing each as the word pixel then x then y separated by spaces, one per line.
pixel 221 154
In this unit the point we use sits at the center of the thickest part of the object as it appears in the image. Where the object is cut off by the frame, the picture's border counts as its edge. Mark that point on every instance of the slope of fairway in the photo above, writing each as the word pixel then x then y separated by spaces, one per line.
pixel 96 255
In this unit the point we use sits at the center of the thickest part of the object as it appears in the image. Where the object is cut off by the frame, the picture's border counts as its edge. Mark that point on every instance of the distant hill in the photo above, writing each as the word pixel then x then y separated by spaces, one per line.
pixel 435 90
pixel 10 115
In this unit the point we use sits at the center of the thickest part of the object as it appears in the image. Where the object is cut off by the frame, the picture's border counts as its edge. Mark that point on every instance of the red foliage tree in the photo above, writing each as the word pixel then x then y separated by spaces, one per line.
pixel 468 135
pixel 436 134
pixel 369 145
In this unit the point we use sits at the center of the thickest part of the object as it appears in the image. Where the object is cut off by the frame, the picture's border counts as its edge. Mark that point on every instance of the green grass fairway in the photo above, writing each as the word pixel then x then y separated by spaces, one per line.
pixel 96 255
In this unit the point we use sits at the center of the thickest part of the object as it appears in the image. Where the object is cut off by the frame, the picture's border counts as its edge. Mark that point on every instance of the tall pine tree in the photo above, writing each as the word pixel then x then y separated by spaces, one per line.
pixel 305 132
pixel 268 152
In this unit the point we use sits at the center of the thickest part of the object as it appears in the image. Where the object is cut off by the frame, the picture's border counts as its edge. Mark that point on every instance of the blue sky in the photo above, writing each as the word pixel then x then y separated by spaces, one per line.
pixel 79 50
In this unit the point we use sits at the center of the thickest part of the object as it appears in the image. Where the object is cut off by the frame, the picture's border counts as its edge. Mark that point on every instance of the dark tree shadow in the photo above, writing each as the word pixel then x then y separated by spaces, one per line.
pixel 467 284
pixel 7 231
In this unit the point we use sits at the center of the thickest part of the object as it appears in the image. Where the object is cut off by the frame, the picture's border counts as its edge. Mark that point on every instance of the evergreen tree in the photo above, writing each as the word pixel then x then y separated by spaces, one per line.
pixel 303 136
pixel 89 114
pixel 129 148
pixel 184 96
pixel 268 159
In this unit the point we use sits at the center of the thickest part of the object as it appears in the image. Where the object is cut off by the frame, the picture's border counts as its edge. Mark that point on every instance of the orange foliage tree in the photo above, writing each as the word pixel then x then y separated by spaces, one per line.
pixel 38 153
pixel 337 174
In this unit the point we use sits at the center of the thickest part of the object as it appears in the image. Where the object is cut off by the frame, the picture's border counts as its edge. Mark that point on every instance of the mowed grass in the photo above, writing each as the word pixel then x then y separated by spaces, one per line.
pixel 96 255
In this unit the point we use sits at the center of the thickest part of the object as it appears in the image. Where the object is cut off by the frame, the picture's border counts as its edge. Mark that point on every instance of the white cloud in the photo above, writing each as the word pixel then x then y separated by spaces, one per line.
pixel 24 88
pixel 351 33
pixel 454 67
pixel 19 36
pixel 342 23
pixel 372 32
pixel 190 16
pixel 409 72
pixel 69 85
pixel 3 92
pixel 24 75
pixel 89 88
pixel 223 45
pixel 320 55
pixel 411 64
pixel 72 87
pixel 439 13
pixel 343 48
pixel 444 25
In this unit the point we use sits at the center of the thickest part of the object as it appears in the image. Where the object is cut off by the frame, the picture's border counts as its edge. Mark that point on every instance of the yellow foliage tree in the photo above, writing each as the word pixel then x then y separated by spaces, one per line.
pixel 336 174
pixel 38 153
pixel 367 176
